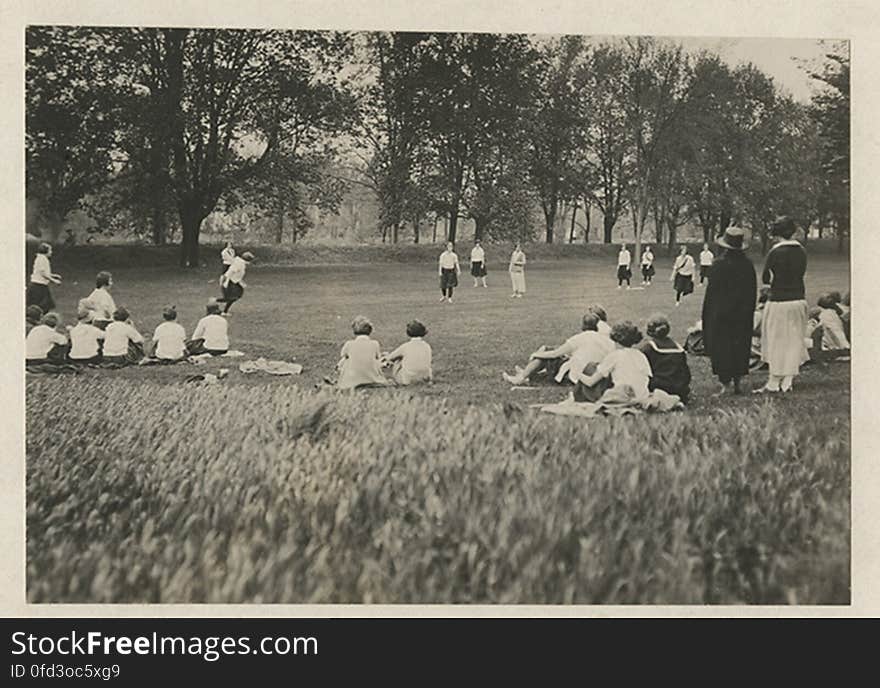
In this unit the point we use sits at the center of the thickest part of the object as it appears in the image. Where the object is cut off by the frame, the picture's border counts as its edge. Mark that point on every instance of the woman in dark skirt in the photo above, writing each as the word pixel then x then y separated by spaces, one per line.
pixel 683 275
pixel 478 263
pixel 449 270
pixel 38 293
pixel 728 311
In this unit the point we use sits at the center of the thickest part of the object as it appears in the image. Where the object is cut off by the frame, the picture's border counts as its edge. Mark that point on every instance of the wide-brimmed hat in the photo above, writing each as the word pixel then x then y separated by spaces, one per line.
pixel 733 238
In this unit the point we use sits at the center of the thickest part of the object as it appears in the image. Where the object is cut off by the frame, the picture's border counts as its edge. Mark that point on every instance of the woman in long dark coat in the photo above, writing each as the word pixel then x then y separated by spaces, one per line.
pixel 728 311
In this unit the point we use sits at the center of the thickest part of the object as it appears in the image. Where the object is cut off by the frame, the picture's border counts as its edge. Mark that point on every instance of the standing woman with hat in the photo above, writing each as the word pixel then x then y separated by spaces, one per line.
pixel 785 315
pixel 728 311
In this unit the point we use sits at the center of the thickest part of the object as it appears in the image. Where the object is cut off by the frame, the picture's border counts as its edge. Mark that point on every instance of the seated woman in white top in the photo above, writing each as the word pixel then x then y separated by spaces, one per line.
pixel 412 360
pixel 45 344
pixel 626 367
pixel 211 335
pixel 169 339
pixel 85 338
pixel 593 346
pixel 360 361
pixel 123 344
pixel 102 302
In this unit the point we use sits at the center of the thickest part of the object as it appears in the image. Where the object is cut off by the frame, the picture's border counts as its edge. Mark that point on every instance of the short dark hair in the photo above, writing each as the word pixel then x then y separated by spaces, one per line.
pixel 657 326
pixel 599 310
pixel 33 313
pixel 102 279
pixel 212 307
pixel 44 247
pixel 414 328
pixel 169 313
pixel 626 333
pixel 121 314
pixel 784 227
pixel 361 325
pixel 590 321
pixel 51 319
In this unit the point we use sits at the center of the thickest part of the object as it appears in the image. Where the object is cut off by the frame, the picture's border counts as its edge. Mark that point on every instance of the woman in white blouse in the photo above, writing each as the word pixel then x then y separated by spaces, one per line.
pixel 38 293
pixel 683 275
pixel 449 270
pixel 517 271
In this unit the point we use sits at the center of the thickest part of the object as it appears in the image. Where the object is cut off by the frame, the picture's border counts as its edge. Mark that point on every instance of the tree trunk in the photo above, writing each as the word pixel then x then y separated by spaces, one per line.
pixel 479 228
pixel 434 236
pixel 191 223
pixel 159 225
pixel 589 227
pixel 608 226
pixel 550 210
pixel 416 231
pixel 574 213
pixel 279 229
pixel 671 225
pixel 395 232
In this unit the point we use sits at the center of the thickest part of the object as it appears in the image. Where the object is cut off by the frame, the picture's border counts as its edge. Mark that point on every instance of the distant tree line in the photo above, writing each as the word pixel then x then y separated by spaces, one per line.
pixel 149 129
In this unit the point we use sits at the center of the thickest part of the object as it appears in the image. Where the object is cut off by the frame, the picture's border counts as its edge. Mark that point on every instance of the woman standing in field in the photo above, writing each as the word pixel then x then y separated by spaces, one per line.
pixel 517 270
pixel 785 316
pixel 478 263
pixel 624 259
pixel 647 266
pixel 38 293
pixel 728 311
pixel 706 260
pixel 683 275
pixel 449 270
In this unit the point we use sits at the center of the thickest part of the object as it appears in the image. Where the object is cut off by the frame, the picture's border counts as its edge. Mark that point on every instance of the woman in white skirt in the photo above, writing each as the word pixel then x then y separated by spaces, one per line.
pixel 517 272
pixel 785 316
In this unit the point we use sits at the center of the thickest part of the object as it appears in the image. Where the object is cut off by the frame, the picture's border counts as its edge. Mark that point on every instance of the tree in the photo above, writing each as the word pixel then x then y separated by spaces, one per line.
pixel 476 85
pixel 236 99
pixel 71 116
pixel 657 88
pixel 605 166
pixel 831 111
pixel 556 128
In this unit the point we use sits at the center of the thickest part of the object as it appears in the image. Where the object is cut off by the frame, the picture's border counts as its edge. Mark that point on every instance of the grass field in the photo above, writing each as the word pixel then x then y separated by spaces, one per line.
pixel 260 489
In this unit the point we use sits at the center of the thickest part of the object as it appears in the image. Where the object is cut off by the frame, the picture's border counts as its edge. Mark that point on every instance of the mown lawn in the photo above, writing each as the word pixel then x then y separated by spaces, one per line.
pixel 260 489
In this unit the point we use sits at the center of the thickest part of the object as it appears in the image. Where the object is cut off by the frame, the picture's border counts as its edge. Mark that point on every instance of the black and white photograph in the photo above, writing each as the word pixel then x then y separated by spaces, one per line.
pixel 435 317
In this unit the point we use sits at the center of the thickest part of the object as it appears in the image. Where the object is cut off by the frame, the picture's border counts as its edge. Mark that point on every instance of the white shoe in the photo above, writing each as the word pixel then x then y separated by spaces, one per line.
pixel 485 286
pixel 449 300
pixel 513 296
pixel 442 299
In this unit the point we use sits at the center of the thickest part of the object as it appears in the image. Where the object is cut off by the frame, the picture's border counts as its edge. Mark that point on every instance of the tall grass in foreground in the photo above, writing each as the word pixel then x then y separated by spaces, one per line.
pixel 149 493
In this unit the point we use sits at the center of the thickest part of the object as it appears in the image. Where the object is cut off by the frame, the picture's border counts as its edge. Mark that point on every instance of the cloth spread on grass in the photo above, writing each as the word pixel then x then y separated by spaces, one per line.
pixel 615 402
pixel 262 365
pixel 52 369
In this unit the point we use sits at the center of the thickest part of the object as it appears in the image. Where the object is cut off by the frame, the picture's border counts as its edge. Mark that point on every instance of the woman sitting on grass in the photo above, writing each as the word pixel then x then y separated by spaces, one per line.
pixel 412 360
pixel 85 338
pixel 102 302
pixel 45 344
pixel 33 316
pixel 169 339
pixel 211 335
pixel 360 360
pixel 668 361
pixel 596 346
pixel 834 339
pixel 123 344
pixel 626 367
